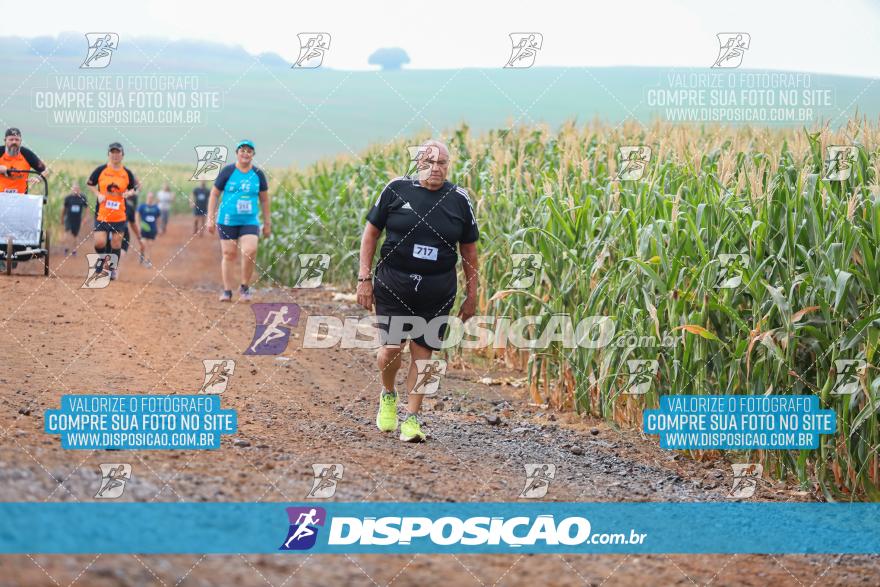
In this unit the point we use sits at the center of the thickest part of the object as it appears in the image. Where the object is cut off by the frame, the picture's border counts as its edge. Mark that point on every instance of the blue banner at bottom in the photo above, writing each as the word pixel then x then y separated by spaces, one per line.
pixel 460 528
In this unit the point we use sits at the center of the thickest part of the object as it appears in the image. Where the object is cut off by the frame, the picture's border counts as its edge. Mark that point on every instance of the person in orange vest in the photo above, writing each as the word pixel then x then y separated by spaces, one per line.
pixel 14 157
pixel 112 183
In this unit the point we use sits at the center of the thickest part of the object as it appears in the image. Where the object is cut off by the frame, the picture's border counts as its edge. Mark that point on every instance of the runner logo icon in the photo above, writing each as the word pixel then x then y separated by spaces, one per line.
pixel 641 374
pixel 524 48
pixel 113 478
pixel 101 48
pixel 217 374
pixel 526 268
pixel 634 160
pixel 311 269
pixel 538 478
pixel 745 480
pixel 430 371
pixel 839 161
pixel 731 48
pixel 272 330
pixel 327 476
pixel 421 159
pixel 210 158
pixel 100 267
pixel 303 531
pixel 312 48
pixel 848 373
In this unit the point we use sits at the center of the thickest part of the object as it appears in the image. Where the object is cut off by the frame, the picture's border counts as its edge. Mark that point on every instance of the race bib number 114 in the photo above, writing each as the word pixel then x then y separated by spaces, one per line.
pixel 243 206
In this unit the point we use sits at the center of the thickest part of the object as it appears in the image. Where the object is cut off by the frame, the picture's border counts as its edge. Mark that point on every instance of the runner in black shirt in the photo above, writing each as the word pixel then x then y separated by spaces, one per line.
pixel 200 207
pixel 424 218
pixel 131 225
pixel 72 214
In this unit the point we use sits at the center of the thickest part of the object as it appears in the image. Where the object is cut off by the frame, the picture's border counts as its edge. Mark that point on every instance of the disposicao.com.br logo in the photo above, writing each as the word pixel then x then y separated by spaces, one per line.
pixel 445 532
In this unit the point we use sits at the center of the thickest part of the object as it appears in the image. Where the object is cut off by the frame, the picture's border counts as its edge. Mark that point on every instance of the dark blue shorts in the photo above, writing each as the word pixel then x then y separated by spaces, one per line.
pixel 230 232
pixel 110 227
pixel 72 224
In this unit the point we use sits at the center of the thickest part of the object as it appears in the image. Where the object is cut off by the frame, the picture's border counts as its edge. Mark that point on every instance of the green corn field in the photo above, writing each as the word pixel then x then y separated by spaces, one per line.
pixel 646 254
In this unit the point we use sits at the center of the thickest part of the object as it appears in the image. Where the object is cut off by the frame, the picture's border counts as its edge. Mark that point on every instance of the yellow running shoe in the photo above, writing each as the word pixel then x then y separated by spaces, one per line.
pixel 386 419
pixel 411 430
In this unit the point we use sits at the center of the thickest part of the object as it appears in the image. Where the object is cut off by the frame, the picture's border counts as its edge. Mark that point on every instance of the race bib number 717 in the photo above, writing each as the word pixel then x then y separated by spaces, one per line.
pixel 425 252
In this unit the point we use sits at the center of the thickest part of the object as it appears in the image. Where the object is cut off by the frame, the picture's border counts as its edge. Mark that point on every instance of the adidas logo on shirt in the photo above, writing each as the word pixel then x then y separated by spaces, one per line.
pixel 406 206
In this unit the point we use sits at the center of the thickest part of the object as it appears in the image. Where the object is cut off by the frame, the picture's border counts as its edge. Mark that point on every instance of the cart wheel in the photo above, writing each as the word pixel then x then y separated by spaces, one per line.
pixel 9 256
pixel 48 248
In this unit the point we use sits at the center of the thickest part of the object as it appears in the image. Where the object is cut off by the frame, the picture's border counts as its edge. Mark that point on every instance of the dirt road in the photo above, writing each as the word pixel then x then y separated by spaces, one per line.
pixel 150 331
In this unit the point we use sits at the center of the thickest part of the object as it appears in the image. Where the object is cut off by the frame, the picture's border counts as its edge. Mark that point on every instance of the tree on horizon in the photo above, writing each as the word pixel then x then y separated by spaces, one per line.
pixel 389 59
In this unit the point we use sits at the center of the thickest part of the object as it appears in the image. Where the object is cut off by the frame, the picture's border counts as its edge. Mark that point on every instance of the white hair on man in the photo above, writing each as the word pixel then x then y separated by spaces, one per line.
pixel 425 148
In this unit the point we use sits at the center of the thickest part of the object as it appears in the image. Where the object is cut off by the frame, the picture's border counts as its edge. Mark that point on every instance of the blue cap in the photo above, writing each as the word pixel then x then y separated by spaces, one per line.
pixel 245 143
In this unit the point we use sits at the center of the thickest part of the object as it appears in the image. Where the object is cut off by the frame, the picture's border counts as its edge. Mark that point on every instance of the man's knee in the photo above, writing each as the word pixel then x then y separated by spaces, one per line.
pixel 230 254
pixel 389 356
pixel 419 351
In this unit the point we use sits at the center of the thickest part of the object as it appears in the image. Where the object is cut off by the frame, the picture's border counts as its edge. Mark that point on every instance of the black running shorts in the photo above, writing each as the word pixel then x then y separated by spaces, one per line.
pixel 109 227
pixel 405 302
pixel 72 224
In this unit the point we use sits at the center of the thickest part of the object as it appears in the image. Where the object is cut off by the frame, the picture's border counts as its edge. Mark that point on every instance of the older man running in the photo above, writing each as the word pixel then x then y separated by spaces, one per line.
pixel 424 219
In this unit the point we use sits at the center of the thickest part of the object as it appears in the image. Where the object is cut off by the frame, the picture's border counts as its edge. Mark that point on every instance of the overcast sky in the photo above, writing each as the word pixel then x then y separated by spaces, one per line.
pixel 838 37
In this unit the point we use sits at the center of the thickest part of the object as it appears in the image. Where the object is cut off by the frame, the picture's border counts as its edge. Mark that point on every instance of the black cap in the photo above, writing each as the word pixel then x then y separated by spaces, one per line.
pixel 13 132
pixel 115 146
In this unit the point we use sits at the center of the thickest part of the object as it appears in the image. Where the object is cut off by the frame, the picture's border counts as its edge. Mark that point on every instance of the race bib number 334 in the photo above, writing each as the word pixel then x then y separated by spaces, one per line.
pixel 425 252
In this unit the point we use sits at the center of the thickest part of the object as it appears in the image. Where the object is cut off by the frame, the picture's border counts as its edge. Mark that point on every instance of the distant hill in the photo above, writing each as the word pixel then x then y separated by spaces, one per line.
pixel 299 116
pixel 135 52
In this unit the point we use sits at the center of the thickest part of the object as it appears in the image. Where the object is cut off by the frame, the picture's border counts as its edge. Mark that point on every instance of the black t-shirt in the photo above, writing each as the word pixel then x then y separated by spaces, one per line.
pixel 201 197
pixel 74 205
pixel 423 227
pixel 131 204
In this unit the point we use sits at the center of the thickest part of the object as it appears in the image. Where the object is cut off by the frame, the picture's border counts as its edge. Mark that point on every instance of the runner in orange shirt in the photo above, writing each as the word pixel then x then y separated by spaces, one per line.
pixel 111 183
pixel 14 157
